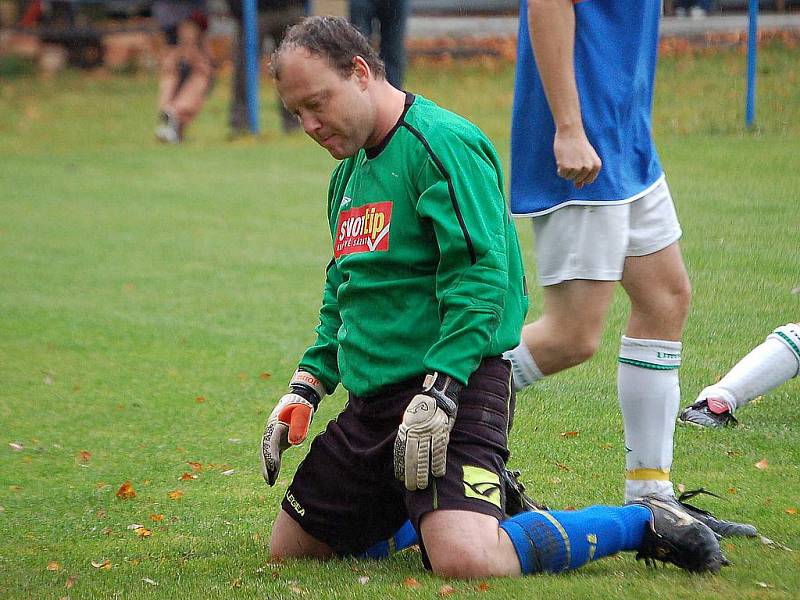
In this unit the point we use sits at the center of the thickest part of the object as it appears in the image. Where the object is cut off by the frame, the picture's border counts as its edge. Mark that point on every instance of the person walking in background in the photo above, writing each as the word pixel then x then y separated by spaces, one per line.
pixel 186 70
pixel 391 16
pixel 274 18
pixel 697 9
pixel 767 366
pixel 584 165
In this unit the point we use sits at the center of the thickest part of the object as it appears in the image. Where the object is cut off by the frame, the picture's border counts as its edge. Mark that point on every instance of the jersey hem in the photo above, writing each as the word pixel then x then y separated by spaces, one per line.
pixel 644 192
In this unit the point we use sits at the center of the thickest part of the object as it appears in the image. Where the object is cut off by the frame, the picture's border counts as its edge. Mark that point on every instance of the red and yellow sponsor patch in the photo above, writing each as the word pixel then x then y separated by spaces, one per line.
pixel 363 229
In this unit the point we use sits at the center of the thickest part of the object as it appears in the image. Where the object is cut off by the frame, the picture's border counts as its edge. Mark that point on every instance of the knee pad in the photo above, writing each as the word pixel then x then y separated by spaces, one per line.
pixel 789 335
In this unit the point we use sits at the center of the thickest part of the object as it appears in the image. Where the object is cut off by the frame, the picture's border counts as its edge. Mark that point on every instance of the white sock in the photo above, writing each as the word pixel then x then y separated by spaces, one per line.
pixel 767 366
pixel 649 395
pixel 524 370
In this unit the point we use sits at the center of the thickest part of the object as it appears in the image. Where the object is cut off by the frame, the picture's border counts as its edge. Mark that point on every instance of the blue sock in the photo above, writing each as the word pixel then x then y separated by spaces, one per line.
pixel 554 541
pixel 404 537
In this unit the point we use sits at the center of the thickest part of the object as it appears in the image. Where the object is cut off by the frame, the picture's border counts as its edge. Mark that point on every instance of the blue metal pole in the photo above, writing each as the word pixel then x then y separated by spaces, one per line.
pixel 752 52
pixel 251 48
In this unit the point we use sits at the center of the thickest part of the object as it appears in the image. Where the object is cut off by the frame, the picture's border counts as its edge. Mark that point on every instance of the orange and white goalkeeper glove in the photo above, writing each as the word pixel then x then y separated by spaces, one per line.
pixel 289 422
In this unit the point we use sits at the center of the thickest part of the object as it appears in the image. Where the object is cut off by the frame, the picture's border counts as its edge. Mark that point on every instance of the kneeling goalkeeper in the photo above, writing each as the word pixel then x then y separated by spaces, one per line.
pixel 424 292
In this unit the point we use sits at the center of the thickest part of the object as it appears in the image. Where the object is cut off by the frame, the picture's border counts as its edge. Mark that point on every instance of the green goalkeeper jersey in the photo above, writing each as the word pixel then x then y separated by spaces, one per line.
pixel 426 272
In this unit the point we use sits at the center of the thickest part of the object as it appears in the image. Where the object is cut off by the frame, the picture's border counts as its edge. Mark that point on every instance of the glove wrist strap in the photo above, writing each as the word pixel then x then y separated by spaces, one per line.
pixel 305 385
pixel 445 389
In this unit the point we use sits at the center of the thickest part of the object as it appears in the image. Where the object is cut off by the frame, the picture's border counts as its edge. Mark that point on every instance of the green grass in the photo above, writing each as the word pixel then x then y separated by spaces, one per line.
pixel 135 278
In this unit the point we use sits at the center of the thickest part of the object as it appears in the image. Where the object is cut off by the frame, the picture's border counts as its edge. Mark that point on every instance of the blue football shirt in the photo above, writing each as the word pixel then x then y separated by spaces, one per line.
pixel 616 46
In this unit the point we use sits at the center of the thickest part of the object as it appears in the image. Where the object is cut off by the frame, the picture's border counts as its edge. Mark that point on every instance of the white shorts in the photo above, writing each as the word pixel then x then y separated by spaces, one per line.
pixel 591 242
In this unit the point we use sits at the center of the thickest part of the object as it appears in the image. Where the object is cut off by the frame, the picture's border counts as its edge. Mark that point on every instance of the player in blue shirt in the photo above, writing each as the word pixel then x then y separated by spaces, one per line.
pixel 584 165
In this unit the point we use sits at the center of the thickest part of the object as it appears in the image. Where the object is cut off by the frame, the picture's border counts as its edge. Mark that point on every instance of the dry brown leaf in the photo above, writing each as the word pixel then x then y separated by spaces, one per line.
pixel 70 581
pixel 188 477
pixel 410 582
pixel 104 565
pixel 126 491
pixel 53 566
pixel 196 466
pixel 101 513
pixel 108 531
pixel 731 490
pixel 791 511
pixel 762 464
pixel 562 466
pixel 175 495
pixel 733 453
pixel 566 434
pixel 200 399
pixel 15 488
pixel 236 583
pixel 483 587
pixel 446 590
pixel 156 517
pixel 143 532
pixel 85 456
pixel 265 376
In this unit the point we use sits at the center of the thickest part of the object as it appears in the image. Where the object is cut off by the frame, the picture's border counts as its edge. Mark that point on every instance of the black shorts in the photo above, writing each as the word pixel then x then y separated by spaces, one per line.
pixel 344 492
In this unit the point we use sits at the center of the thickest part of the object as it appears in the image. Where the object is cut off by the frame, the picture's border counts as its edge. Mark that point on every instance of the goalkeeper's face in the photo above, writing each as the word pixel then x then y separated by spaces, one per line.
pixel 336 111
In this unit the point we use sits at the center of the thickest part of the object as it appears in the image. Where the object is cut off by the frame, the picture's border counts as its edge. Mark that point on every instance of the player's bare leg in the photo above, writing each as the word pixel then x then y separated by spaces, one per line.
pixel 568 331
pixel 289 540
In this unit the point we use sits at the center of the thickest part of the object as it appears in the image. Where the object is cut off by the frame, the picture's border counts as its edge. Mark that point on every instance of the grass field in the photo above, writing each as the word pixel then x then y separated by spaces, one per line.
pixel 154 300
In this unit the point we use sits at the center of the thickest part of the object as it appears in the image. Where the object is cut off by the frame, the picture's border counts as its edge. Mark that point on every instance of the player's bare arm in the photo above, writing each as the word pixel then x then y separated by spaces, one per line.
pixel 552 30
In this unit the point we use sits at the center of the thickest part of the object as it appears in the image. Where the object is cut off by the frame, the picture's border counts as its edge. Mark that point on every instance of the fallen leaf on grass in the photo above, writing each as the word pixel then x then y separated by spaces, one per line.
pixel 731 490
pixel 236 583
pixel 149 581
pixel 15 488
pixel 483 587
pixel 108 531
pixel 126 491
pixel 562 466
pixel 411 583
pixel 768 542
pixel 53 566
pixel 763 585
pixel 446 590
pixel 566 434
pixel 85 455
pixel 175 495
pixel 196 466
pixel 104 565
pixel 363 580
pixel 762 464
pixel 681 488
pixel 265 376
pixel 156 517
pixel 188 477
pixel 229 472
pixel 791 511
pixel 70 581
pixel 143 532
pixel 16 447
pixel 733 453
pixel 134 526
pixel 200 399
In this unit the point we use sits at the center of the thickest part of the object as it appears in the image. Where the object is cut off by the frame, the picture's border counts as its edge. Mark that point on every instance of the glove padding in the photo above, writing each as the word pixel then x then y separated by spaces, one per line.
pixel 288 423
pixel 422 438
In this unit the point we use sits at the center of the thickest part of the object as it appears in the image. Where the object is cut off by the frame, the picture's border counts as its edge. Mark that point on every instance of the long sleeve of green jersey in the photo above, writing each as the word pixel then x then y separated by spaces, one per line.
pixel 463 198
pixel 320 359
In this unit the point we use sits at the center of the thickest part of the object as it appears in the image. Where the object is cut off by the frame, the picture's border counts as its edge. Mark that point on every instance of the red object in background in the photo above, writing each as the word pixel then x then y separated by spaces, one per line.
pixel 32 14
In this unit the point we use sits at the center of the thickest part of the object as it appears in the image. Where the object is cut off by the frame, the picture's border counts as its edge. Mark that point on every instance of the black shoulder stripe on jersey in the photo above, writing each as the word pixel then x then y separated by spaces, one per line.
pixel 417 134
